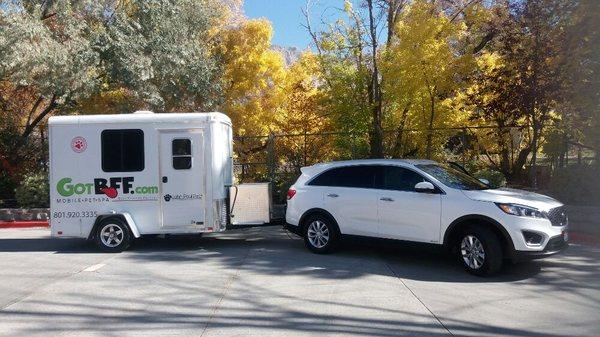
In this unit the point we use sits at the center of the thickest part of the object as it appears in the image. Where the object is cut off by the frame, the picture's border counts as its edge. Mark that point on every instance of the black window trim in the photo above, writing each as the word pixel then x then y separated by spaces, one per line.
pixel 308 183
pixel 438 189
pixel 143 149
pixel 191 156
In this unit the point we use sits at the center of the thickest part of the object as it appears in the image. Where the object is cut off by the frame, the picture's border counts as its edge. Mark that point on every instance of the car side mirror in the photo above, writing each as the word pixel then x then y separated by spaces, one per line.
pixel 485 181
pixel 424 187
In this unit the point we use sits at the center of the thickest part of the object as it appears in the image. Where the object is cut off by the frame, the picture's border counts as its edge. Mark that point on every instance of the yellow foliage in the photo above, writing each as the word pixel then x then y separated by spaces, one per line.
pixel 421 67
pixel 252 77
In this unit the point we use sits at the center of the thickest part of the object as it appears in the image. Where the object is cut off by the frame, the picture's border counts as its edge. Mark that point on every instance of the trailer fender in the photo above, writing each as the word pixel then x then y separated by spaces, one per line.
pixel 132 225
pixel 123 216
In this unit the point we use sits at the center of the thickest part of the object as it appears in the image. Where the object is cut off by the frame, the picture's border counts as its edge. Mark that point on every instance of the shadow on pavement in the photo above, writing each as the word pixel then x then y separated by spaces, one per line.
pixel 273 251
pixel 177 302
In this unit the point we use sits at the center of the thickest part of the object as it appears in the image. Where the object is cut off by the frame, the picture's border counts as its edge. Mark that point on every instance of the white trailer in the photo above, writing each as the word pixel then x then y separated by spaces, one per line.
pixel 114 178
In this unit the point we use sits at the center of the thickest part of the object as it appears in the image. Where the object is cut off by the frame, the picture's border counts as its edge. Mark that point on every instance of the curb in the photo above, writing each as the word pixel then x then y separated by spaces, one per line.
pixel 24 224
pixel 584 239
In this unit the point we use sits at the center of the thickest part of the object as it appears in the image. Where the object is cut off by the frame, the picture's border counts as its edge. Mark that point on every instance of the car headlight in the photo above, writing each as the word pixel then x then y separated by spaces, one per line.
pixel 520 210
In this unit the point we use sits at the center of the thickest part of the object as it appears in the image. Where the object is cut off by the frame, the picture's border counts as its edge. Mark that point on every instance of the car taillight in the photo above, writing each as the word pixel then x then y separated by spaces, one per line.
pixel 291 193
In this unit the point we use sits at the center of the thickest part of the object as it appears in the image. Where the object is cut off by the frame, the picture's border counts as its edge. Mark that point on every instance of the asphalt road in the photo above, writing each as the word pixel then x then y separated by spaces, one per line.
pixel 262 282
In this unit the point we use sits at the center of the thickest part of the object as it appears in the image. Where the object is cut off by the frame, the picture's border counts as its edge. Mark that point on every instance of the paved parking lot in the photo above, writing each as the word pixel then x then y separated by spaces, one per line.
pixel 262 282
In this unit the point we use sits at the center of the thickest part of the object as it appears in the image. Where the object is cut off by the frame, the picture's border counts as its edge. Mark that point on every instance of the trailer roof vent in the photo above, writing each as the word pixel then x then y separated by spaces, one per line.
pixel 143 112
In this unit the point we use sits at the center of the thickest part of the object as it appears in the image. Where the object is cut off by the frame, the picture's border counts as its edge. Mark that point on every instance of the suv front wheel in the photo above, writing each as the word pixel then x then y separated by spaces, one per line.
pixel 320 234
pixel 480 251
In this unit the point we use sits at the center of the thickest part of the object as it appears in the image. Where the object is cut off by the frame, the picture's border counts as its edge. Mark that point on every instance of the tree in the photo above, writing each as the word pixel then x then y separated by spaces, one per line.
pixel 349 52
pixel 580 52
pixel 83 56
pixel 253 77
pixel 423 67
pixel 519 83
pixel 304 115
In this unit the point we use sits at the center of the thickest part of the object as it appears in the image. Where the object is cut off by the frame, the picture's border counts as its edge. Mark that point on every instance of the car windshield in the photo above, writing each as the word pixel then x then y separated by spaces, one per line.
pixel 452 177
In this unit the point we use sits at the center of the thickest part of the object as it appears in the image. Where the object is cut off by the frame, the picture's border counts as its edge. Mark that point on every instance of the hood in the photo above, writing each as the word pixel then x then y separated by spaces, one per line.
pixel 514 196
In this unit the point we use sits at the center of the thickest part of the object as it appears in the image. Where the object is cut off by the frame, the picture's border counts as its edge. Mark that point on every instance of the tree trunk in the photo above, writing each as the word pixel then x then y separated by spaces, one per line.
pixel 400 133
pixel 376 141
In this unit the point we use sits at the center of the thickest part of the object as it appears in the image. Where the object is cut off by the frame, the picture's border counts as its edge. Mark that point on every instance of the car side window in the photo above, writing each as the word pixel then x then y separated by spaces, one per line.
pixel 359 176
pixel 400 179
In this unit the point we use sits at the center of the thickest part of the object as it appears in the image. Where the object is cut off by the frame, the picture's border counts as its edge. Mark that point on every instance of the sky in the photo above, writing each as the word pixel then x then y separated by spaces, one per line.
pixel 287 18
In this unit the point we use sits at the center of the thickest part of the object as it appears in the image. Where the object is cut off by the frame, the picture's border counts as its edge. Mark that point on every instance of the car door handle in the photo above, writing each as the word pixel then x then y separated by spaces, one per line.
pixel 386 199
pixel 332 195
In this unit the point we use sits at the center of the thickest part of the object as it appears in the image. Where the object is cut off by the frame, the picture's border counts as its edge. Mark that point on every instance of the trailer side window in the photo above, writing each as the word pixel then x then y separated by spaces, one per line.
pixel 122 150
pixel 182 154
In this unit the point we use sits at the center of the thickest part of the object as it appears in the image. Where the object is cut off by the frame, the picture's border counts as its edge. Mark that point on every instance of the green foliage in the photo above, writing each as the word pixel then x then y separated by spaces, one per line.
pixel 33 191
pixel 7 186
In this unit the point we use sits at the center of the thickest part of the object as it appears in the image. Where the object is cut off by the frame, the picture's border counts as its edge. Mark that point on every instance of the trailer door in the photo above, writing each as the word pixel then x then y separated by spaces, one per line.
pixel 182 178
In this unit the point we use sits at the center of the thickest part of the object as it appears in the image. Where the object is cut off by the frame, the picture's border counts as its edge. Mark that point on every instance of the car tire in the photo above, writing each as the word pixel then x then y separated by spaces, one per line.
pixel 112 235
pixel 321 234
pixel 480 251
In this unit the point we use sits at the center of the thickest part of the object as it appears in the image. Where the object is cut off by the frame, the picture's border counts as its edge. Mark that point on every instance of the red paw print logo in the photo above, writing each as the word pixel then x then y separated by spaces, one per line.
pixel 78 144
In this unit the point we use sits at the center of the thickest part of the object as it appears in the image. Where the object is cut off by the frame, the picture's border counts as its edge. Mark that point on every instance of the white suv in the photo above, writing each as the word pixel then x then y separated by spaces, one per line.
pixel 424 201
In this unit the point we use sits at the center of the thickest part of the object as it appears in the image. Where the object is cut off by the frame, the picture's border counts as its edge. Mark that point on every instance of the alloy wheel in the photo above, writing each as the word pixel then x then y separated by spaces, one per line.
pixel 472 252
pixel 111 235
pixel 318 234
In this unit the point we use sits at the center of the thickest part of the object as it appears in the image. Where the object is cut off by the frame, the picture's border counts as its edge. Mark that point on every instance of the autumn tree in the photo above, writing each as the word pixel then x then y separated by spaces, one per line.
pixel 423 66
pixel 518 84
pixel 252 79
pixel 102 56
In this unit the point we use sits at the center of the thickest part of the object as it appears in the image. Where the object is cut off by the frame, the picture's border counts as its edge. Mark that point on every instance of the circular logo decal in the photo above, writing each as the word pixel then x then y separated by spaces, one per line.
pixel 78 144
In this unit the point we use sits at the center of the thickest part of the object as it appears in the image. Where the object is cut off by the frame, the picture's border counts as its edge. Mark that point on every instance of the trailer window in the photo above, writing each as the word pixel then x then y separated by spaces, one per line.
pixel 122 150
pixel 182 154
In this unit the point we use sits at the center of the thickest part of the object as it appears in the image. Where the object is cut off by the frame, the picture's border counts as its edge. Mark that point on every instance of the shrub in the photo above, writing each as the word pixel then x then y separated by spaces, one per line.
pixel 7 186
pixel 576 185
pixel 33 191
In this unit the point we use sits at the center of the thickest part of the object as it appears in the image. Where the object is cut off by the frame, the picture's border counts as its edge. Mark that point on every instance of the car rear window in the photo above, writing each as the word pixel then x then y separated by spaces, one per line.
pixel 359 176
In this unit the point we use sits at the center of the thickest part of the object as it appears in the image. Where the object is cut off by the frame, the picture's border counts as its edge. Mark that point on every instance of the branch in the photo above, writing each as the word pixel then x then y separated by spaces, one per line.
pixel 29 128
pixel 34 108
pixel 313 35
pixel 487 38
pixel 462 9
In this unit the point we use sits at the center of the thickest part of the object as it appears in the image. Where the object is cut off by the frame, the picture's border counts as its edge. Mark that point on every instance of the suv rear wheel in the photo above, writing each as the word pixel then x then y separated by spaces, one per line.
pixel 480 251
pixel 320 234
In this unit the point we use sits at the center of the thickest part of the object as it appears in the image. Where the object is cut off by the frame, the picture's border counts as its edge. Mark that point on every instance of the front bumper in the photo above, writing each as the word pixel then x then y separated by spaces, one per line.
pixel 554 246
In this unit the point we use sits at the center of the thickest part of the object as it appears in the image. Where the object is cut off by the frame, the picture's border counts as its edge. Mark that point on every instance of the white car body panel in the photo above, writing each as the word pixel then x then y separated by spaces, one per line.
pixel 409 216
pixel 356 208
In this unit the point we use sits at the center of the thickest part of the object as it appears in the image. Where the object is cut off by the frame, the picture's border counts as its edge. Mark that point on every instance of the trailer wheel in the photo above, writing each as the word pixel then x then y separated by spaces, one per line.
pixel 112 235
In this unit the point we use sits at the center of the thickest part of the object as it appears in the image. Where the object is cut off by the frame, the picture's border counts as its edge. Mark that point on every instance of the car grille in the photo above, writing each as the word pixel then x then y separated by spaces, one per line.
pixel 558 216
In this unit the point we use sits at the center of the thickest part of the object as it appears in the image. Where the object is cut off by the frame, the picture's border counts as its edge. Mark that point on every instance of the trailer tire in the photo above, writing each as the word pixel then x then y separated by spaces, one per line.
pixel 112 235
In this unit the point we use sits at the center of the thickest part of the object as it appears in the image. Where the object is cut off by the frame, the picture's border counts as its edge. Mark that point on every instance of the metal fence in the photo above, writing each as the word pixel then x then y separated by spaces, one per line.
pixel 277 158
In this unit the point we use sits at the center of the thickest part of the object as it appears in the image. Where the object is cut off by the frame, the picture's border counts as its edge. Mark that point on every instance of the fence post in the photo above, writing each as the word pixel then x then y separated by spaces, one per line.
pixel 305 154
pixel 463 137
pixel 271 162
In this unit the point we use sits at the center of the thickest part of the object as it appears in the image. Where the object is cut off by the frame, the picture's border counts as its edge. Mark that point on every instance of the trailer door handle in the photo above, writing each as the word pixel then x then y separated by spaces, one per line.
pixel 332 195
pixel 165 179
pixel 386 199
